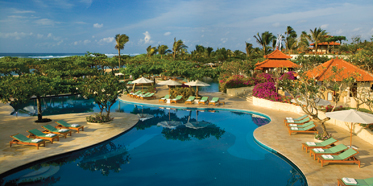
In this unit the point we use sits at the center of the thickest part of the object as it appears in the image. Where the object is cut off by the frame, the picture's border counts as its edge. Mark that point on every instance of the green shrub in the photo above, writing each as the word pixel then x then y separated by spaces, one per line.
pixel 97 118
pixel 184 91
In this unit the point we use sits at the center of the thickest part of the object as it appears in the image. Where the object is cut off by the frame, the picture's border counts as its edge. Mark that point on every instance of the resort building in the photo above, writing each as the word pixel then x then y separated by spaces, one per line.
pixel 276 59
pixel 362 86
pixel 326 48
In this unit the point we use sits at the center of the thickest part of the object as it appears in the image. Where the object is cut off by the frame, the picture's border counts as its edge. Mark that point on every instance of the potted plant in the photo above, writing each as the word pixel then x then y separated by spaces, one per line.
pixel 320 137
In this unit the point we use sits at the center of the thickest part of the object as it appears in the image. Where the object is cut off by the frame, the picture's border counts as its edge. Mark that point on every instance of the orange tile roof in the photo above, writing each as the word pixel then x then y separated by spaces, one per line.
pixel 326 43
pixel 277 55
pixel 324 71
pixel 272 63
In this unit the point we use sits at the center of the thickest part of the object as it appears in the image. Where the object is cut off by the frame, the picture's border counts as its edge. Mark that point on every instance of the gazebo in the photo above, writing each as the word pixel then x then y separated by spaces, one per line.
pixel 276 59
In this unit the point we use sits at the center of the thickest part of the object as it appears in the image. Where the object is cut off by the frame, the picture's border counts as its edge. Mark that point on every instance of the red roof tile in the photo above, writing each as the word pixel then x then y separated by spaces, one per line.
pixel 324 71
pixel 271 63
pixel 277 55
pixel 326 43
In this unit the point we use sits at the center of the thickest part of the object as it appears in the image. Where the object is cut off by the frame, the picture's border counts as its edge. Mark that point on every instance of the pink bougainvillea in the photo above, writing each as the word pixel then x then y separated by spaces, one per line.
pixel 266 90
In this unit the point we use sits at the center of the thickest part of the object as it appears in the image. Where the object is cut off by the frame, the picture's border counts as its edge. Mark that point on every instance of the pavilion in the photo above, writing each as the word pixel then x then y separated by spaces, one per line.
pixel 323 47
pixel 276 59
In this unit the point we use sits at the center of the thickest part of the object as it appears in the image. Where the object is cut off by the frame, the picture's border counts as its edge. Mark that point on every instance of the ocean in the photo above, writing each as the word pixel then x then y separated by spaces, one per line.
pixel 50 55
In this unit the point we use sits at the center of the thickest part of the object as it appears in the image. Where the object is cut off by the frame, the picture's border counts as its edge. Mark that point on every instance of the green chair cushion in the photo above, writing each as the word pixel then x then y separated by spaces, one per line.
pixel 37 132
pixel 328 142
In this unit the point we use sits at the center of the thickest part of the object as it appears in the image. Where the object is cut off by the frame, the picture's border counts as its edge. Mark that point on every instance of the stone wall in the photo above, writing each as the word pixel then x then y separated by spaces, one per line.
pixel 232 92
pixel 365 134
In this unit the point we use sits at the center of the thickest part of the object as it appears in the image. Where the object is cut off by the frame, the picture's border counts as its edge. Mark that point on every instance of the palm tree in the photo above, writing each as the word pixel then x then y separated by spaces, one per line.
pixel 317 36
pixel 178 47
pixel 290 39
pixel 121 40
pixel 209 51
pixel 303 43
pixel 264 39
pixel 151 50
pixel 163 49
pixel 248 48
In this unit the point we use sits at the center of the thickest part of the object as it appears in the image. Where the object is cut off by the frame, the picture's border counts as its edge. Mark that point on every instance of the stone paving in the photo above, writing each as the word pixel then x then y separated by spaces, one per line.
pixel 273 135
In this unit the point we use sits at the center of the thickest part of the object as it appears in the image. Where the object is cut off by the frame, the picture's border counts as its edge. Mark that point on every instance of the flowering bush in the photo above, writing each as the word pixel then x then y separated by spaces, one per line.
pixel 329 108
pixel 99 118
pixel 235 81
pixel 266 90
pixel 321 137
pixel 288 75
pixel 263 77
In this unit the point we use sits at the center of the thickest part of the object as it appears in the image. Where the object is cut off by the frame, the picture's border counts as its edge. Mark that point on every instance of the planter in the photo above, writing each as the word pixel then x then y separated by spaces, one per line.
pixel 317 140
pixel 90 123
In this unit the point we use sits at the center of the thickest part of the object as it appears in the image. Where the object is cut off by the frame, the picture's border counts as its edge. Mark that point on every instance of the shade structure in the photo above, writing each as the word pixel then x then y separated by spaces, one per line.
pixel 170 82
pixel 352 116
pixel 169 124
pixel 142 81
pixel 197 84
pixel 197 124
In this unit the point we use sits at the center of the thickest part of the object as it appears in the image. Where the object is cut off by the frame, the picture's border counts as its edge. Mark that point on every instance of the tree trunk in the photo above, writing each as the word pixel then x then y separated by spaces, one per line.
pixel 119 58
pixel 38 99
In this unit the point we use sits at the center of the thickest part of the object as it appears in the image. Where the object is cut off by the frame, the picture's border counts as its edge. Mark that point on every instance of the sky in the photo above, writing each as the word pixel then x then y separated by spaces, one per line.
pixel 78 26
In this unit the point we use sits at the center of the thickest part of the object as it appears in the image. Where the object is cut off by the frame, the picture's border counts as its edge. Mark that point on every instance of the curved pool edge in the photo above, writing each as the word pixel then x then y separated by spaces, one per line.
pixel 283 157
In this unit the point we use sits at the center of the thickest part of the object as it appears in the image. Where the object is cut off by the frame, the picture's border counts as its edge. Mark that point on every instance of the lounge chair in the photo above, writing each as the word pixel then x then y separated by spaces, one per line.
pixel 131 93
pixel 297 122
pixel 190 99
pixel 61 124
pixel 35 133
pixel 164 99
pixel 136 94
pixel 215 100
pixel 333 151
pixel 298 118
pixel 149 96
pixel 347 156
pixel 140 96
pixel 50 129
pixel 177 99
pixel 309 129
pixel 22 139
pixel 325 144
pixel 302 125
pixel 359 182
pixel 203 100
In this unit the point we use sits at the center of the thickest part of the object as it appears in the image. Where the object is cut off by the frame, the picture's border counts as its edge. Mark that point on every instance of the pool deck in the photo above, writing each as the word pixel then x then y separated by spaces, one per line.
pixel 274 135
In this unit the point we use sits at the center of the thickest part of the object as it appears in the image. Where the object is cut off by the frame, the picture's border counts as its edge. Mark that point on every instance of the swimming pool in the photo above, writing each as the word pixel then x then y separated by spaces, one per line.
pixel 171 147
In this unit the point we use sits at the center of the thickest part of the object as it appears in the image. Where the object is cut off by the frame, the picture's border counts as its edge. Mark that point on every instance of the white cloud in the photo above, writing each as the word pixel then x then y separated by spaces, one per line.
pixel 44 22
pixel 23 11
pixel 224 40
pixel 276 24
pixel 39 36
pixel 338 32
pixel 49 35
pixel 17 17
pixel 76 43
pixel 202 35
pixel 15 35
pixel 60 42
pixel 356 29
pixel 167 33
pixel 147 37
pixel 324 26
pixel 106 40
pixel 86 41
pixel 96 25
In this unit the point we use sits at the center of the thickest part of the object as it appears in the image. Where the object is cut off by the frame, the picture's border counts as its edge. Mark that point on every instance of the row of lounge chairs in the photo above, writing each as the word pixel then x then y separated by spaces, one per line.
pixel 328 152
pixel 204 100
pixel 142 95
pixel 50 133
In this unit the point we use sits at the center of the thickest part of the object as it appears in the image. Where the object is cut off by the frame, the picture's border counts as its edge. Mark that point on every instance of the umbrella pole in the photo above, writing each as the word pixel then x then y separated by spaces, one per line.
pixel 351 137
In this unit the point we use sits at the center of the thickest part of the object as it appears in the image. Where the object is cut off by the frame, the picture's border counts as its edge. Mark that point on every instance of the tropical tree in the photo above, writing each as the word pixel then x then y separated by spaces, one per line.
pixel 151 50
pixel 317 36
pixel 163 49
pixel 303 42
pixel 290 39
pixel 178 47
pixel 264 39
pixel 121 40
pixel 248 48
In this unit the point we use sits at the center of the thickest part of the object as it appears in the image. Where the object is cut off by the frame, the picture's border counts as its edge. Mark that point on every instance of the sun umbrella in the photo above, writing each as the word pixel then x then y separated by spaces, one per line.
pixel 352 116
pixel 142 81
pixel 197 84
pixel 169 83
pixel 169 124
pixel 143 116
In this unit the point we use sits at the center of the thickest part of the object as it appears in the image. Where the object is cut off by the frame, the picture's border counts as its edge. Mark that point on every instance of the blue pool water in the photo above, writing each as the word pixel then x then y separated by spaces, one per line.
pixel 171 147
